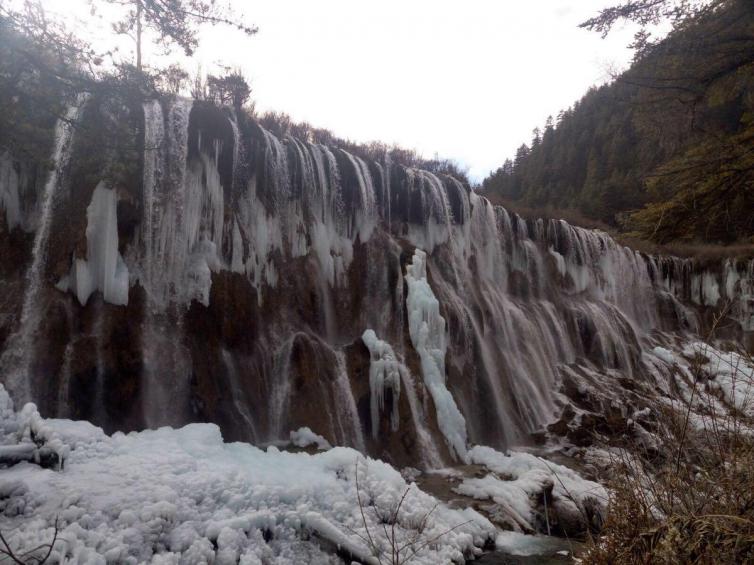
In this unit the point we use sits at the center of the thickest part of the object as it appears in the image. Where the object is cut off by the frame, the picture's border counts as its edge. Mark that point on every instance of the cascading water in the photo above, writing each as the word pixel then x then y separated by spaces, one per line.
pixel 347 411
pixel 239 402
pixel 262 262
pixel 16 361
pixel 165 360
pixel 154 134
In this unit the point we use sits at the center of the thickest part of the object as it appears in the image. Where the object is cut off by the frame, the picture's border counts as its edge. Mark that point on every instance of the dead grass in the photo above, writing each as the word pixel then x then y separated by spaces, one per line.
pixel 570 215
pixel 694 503
pixel 703 252
pixel 700 251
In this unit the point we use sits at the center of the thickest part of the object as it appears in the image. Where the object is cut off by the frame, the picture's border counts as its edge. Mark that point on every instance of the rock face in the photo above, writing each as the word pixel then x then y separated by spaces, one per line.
pixel 233 279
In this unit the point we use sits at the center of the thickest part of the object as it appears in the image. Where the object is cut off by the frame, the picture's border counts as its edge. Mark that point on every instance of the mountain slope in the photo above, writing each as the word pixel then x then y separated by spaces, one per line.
pixel 665 151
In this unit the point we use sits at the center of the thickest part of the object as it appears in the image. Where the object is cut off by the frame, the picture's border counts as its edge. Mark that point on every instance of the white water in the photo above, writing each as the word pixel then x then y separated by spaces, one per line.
pixel 240 403
pixel 154 133
pixel 346 403
pixel 280 391
pixel 498 309
pixel 16 361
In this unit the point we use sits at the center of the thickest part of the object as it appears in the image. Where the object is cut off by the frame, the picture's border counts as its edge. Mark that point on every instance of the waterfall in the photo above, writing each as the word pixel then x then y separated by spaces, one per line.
pixel 9 192
pixel 247 244
pixel 99 413
pixel 280 391
pixel 166 364
pixel 17 359
pixel 154 132
pixel 387 371
pixel 346 403
pixel 239 402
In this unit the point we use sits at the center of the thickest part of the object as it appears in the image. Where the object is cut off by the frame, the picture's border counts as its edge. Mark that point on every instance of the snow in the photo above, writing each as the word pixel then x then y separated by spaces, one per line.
pixel 427 331
pixel 26 433
pixel 185 496
pixel 519 479
pixel 664 354
pixel 304 437
pixel 730 374
pixel 104 268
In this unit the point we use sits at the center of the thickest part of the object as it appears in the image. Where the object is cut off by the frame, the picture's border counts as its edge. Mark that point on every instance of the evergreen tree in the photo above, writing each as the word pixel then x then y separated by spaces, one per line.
pixel 644 152
pixel 173 22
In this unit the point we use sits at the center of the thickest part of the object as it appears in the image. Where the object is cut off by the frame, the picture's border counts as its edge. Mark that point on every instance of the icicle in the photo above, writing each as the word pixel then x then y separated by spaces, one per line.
pixel 384 372
pixel 104 268
pixel 427 331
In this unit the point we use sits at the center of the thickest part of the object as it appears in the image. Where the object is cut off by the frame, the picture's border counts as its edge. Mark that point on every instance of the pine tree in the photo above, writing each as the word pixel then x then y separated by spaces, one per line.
pixel 174 22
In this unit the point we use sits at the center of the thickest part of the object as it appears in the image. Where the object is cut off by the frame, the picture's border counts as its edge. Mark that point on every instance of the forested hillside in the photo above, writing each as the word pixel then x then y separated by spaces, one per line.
pixel 666 151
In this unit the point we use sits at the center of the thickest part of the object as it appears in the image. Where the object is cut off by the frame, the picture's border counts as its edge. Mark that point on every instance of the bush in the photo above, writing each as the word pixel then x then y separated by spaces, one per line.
pixel 694 501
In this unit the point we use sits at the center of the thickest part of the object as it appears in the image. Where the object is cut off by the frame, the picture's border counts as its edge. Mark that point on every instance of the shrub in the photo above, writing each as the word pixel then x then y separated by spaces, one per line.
pixel 694 501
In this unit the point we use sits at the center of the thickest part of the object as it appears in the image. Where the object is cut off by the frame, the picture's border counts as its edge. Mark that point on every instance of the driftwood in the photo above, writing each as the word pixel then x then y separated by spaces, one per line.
pixel 43 456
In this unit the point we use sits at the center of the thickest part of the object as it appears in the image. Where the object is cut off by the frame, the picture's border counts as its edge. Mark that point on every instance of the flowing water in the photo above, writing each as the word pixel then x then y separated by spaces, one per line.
pixel 17 359
pixel 249 241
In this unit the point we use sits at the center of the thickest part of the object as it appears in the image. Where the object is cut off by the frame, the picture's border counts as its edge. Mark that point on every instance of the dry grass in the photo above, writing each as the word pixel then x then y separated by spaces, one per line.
pixel 695 502
pixel 570 215
pixel 703 252
pixel 698 510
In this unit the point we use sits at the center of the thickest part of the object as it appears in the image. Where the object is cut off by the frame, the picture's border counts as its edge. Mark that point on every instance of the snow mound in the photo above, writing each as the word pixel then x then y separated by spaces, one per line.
pixel 304 437
pixel 518 483
pixel 664 354
pixel 185 496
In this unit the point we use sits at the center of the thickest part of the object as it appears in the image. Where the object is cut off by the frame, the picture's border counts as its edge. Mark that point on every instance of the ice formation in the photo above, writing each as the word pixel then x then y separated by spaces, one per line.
pixel 384 372
pixel 427 331
pixel 103 269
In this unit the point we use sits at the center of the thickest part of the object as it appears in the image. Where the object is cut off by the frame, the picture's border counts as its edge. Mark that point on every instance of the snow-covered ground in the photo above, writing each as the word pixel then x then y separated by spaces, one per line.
pixel 723 380
pixel 517 479
pixel 185 496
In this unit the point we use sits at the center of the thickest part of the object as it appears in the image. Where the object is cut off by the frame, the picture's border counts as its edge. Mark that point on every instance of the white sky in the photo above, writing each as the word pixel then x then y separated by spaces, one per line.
pixel 467 80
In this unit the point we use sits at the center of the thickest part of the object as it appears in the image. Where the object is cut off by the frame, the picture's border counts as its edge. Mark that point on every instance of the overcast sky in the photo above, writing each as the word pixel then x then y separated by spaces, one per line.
pixel 467 80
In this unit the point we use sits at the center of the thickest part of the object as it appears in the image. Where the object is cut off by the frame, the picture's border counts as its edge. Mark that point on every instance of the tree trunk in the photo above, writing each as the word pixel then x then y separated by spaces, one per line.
pixel 138 35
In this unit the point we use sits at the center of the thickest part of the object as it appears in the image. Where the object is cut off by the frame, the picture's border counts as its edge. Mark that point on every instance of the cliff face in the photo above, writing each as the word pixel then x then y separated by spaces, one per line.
pixel 234 279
